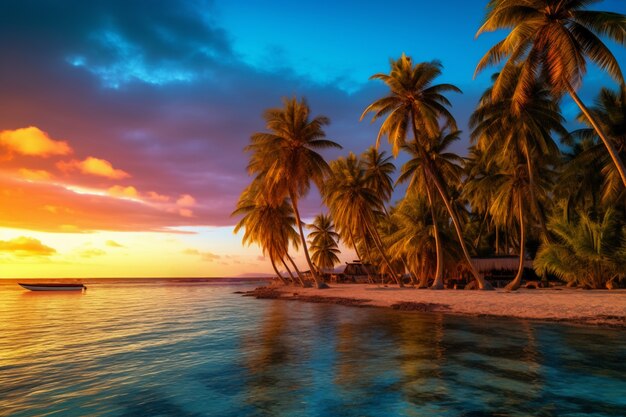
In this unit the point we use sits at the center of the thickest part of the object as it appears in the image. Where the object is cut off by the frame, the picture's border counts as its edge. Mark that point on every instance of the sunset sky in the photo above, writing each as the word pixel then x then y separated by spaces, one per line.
pixel 122 123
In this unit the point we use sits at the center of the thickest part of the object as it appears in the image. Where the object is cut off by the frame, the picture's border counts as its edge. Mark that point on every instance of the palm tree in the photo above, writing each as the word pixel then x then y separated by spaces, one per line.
pixel 268 225
pixel 587 251
pixel 285 158
pixel 353 204
pixel 323 240
pixel 553 38
pixel 416 103
pixel 415 171
pixel 610 113
pixel 378 170
pixel 498 128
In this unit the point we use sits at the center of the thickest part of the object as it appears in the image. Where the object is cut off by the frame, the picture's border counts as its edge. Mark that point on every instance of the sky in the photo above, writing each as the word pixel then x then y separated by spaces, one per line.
pixel 123 122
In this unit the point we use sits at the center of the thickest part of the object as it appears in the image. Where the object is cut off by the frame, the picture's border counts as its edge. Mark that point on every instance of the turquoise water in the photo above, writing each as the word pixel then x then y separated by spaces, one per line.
pixel 200 350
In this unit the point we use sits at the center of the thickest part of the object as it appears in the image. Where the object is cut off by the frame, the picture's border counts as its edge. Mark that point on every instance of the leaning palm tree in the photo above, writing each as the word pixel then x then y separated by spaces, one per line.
pixel 587 251
pixel 353 204
pixel 414 171
pixel 554 38
pixel 323 241
pixel 610 113
pixel 286 161
pixel 269 225
pixel 416 103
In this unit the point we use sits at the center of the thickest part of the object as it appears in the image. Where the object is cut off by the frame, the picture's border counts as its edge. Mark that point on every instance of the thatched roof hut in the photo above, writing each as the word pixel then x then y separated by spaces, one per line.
pixel 489 264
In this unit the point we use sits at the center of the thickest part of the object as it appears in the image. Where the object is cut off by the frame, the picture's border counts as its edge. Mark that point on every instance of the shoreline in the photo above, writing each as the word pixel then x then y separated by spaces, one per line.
pixel 561 305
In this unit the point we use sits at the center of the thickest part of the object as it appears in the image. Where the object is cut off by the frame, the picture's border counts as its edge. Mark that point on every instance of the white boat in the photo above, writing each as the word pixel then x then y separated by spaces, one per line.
pixel 53 287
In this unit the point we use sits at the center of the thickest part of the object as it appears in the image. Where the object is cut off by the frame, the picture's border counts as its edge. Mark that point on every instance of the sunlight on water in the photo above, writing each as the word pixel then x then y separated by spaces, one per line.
pixel 200 350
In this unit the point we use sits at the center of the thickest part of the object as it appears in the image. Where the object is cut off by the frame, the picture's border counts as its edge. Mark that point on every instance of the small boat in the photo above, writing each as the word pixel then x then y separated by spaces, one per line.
pixel 53 287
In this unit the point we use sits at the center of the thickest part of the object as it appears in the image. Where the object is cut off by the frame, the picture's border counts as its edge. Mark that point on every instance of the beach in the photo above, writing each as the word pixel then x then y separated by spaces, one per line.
pixel 553 304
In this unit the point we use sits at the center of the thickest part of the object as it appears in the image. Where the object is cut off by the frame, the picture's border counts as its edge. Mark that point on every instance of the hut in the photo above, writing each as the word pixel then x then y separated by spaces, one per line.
pixel 500 270
pixel 356 272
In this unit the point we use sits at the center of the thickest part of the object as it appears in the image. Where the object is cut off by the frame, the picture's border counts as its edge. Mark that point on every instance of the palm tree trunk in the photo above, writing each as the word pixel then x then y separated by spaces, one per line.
pixel 541 213
pixel 356 250
pixel 438 283
pixel 609 146
pixel 482 284
pixel 280 277
pixel 294 202
pixel 378 245
pixel 295 267
pixel 293 279
pixel 497 240
pixel 517 282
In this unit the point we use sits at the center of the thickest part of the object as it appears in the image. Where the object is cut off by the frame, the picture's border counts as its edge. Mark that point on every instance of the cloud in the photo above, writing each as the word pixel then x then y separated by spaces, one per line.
pixel 185 213
pixel 113 244
pixel 205 256
pixel 186 200
pixel 91 253
pixel 93 166
pixel 153 195
pixel 34 174
pixel 119 191
pixel 26 246
pixel 32 141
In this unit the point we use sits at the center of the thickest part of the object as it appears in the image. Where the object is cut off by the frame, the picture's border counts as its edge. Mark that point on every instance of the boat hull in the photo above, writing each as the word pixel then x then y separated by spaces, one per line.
pixel 53 287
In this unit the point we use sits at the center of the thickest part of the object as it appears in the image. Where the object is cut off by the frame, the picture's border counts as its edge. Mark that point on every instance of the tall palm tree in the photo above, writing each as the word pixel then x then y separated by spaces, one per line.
pixel 323 241
pixel 415 171
pixel 353 204
pixel 286 160
pixel 554 38
pixel 416 103
pixel 499 128
pixel 269 225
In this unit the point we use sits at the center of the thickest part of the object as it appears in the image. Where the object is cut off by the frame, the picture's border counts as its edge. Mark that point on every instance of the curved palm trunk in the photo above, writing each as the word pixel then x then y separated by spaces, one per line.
pixel 295 267
pixel 517 282
pixel 609 146
pixel 280 277
pixel 368 250
pixel 318 282
pixel 482 284
pixel 541 213
pixel 378 245
pixel 356 250
pixel 438 283
pixel 293 279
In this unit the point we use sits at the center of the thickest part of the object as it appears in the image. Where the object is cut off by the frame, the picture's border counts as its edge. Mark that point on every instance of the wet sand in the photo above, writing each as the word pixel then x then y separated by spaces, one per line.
pixel 596 307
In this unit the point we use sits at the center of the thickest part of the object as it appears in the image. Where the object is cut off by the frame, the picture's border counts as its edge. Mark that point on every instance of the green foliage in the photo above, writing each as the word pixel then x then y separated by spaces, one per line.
pixel 587 251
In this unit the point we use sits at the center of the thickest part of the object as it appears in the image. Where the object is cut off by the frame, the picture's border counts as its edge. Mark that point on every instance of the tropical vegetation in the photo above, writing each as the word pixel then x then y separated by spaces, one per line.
pixel 526 188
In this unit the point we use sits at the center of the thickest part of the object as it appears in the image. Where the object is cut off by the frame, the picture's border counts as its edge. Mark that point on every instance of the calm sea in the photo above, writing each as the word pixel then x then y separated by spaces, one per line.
pixel 188 350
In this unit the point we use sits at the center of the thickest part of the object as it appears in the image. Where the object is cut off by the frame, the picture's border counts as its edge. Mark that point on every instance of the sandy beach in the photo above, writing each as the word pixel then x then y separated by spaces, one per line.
pixel 554 304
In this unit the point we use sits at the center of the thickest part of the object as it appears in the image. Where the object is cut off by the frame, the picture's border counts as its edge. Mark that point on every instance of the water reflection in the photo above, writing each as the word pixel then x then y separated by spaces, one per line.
pixel 202 351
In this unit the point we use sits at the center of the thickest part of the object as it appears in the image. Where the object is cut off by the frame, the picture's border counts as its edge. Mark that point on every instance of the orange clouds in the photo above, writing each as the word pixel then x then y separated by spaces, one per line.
pixel 34 174
pixel 120 191
pixel 186 200
pixel 205 256
pixel 93 166
pixel 32 141
pixel 26 246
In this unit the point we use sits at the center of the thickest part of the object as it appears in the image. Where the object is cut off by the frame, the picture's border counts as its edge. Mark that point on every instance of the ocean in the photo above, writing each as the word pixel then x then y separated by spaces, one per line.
pixel 190 349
